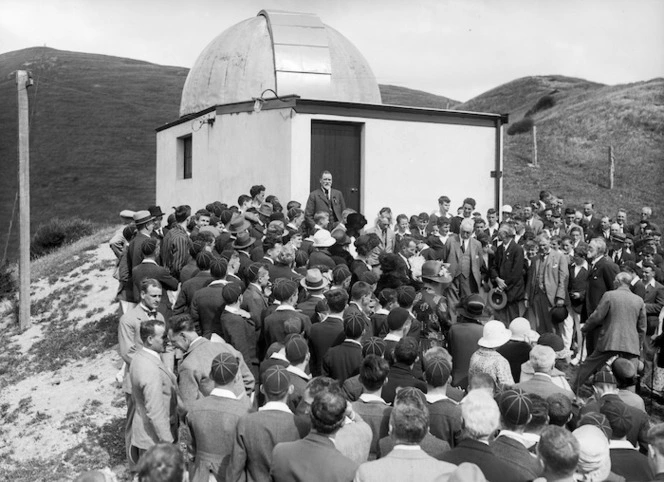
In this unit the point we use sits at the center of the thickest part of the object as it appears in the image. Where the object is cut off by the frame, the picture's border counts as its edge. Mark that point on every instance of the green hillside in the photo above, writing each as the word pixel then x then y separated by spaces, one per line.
pixel 395 95
pixel 573 139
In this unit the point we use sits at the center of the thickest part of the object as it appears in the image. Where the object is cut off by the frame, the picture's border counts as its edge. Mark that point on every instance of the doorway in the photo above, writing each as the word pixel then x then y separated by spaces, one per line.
pixel 337 147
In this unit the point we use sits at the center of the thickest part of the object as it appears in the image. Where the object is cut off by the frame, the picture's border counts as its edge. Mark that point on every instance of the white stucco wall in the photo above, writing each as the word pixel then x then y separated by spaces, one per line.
pixel 238 151
pixel 408 165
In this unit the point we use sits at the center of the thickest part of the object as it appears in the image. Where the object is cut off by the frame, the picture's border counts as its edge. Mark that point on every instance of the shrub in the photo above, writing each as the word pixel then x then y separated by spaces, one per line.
pixel 520 127
pixel 543 103
pixel 58 232
pixel 8 282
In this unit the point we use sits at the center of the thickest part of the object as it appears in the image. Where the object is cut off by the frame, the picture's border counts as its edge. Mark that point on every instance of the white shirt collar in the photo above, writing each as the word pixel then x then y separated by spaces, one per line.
pixel 353 341
pixel 232 309
pixel 392 337
pixel 516 436
pixel 152 352
pixel 597 259
pixel 218 282
pixel 296 371
pixel 222 392
pixel 368 397
pixel 437 397
pixel 407 447
pixel 584 264
pixel 650 283
pixel 147 260
pixel 381 311
pixel 634 280
pixel 279 406
pixel 285 308
pixel 278 356
pixel 621 444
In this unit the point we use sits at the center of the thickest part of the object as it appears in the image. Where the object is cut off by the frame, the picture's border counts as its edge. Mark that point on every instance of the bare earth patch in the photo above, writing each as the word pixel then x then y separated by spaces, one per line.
pixel 61 410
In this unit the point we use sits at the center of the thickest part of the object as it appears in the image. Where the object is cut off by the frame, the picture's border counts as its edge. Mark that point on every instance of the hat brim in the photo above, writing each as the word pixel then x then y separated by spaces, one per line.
pixel 244 227
pixel 438 279
pixel 530 336
pixel 140 222
pixel 492 302
pixel 242 246
pixel 326 243
pixel 481 316
pixel 324 284
pixel 495 342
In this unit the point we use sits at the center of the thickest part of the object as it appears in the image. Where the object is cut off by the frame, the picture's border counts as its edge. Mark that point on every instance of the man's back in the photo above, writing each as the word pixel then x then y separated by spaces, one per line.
pixel 256 436
pixel 404 465
pixel 376 413
pixel 313 458
pixel 323 336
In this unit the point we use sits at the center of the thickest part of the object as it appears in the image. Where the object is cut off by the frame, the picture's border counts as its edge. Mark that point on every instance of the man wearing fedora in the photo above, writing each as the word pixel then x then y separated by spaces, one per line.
pixel 325 199
pixel 315 284
pixel 507 275
pixel 320 255
pixel 144 223
pixel 241 245
pixel 157 231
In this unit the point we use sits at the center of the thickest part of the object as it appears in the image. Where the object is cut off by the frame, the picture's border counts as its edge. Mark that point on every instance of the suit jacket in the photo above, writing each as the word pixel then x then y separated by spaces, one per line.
pixel 400 376
pixel 129 338
pixel 600 280
pixel 241 334
pixel 631 464
pixel 377 415
pixel 387 238
pixel 146 270
pixel 654 300
pixel 556 275
pixel 622 318
pixel 536 227
pixel 479 453
pixel 463 337
pixel 638 432
pixel 577 283
pixel 312 458
pixel 592 227
pixel 433 446
pixel 508 266
pixel 194 370
pixel 154 390
pixel 274 329
pixel 255 438
pixel 207 307
pixel 318 201
pixel 542 385
pixel 402 464
pixel 324 335
pixel 211 420
pixel 343 361
pixel 517 455
pixel 134 258
pixel 255 302
pixel 187 290
pixel 454 255
pixel 445 420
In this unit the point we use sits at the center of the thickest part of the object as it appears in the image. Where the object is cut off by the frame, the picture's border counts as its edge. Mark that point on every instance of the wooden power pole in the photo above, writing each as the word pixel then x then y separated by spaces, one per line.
pixel 535 145
pixel 23 81
pixel 612 167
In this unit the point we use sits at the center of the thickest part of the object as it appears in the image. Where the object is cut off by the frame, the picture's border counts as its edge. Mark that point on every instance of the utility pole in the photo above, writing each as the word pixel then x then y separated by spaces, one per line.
pixel 612 167
pixel 23 81
pixel 535 146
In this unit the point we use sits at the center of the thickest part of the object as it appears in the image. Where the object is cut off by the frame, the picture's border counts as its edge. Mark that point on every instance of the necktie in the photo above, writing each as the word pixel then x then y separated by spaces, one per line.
pixel 463 246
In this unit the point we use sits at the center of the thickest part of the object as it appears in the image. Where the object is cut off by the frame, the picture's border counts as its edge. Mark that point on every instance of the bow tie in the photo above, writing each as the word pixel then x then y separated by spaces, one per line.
pixel 152 314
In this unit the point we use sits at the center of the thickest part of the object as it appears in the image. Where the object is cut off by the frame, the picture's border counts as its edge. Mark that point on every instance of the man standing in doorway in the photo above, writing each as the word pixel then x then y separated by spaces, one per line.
pixel 325 199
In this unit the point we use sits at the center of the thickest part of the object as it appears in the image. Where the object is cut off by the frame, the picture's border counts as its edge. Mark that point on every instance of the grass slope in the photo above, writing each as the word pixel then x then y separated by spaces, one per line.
pixel 395 95
pixel 573 138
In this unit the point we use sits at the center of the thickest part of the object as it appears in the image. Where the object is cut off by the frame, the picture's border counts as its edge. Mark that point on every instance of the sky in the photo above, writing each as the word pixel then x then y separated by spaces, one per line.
pixel 455 48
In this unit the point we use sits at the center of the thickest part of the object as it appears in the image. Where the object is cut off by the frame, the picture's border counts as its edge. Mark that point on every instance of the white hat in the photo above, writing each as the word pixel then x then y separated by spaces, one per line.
pixel 494 335
pixel 127 214
pixel 506 209
pixel 521 331
pixel 323 239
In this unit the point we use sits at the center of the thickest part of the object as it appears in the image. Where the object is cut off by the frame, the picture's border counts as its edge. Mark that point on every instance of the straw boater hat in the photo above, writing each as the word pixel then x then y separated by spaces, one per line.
pixel 127 214
pixel 323 239
pixel 494 335
pixel 314 280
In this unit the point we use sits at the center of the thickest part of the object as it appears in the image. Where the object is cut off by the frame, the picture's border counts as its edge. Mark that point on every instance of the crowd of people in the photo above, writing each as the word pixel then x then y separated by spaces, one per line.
pixel 303 342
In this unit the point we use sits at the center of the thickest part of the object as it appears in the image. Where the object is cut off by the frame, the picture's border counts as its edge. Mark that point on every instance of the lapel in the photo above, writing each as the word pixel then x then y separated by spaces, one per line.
pixel 321 195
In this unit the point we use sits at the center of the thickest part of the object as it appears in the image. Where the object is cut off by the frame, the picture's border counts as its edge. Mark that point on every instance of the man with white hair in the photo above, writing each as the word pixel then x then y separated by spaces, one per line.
pixel 481 418
pixel 464 254
pixel 622 317
pixel 542 359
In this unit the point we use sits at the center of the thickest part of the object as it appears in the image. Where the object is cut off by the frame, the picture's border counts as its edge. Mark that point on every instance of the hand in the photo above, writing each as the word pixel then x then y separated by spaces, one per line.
pixel 575 294
pixel 501 284
pixel 560 302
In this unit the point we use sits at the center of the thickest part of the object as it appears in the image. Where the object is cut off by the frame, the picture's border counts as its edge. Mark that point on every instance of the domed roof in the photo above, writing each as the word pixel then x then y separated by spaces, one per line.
pixel 291 53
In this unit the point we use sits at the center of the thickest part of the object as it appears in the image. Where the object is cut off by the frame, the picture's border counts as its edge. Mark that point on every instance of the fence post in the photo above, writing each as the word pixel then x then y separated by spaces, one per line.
pixel 535 145
pixel 612 167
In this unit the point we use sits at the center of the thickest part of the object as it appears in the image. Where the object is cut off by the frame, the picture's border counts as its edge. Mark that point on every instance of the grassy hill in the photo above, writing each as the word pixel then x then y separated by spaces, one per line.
pixel 93 142
pixel 573 139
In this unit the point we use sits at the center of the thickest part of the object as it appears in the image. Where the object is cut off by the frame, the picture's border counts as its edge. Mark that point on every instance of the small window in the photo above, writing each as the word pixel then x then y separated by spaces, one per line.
pixel 185 157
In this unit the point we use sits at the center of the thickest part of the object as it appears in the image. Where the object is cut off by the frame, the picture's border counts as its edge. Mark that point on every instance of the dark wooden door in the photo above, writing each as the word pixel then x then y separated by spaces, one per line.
pixel 337 147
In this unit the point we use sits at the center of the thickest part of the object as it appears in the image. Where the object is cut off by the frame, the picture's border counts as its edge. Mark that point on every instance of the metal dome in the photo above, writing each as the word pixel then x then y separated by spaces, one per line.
pixel 291 53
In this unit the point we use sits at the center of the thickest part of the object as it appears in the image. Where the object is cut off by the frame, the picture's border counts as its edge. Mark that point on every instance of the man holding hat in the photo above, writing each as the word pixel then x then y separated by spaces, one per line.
pixel 213 418
pixel 507 274
pixel 511 446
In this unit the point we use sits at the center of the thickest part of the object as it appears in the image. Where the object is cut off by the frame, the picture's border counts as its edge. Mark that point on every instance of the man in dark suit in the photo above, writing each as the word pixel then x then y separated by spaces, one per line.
pixel 325 199
pixel 507 274
pixel 329 331
pixel 601 275
pixel 191 286
pixel 343 361
pixel 208 304
pixel 591 224
pixel 149 269
pixel 315 457
pixel 401 372
pixel 144 224
pixel 622 318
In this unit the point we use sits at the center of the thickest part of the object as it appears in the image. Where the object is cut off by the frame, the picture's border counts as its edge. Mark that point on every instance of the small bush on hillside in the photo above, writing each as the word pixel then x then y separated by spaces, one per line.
pixel 8 282
pixel 520 127
pixel 58 232
pixel 543 103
